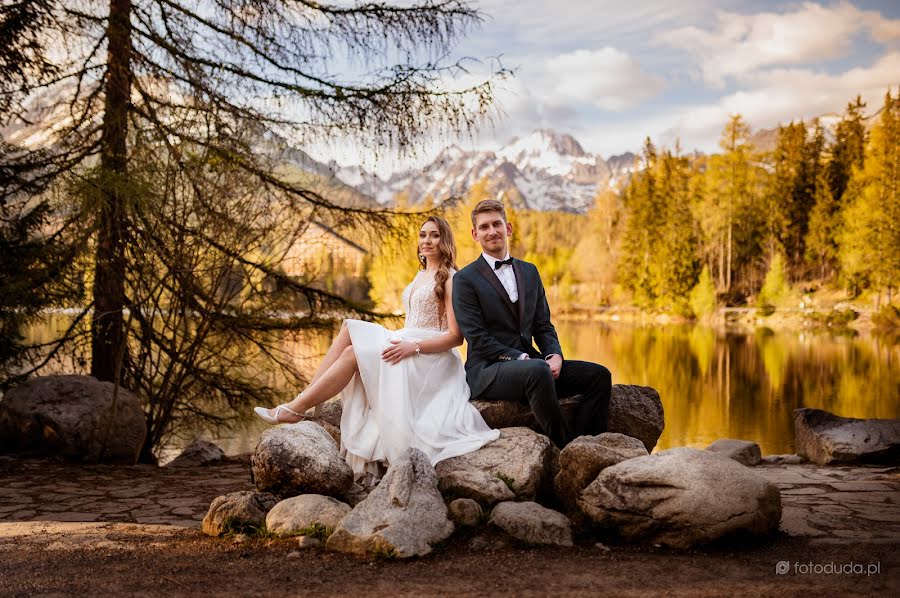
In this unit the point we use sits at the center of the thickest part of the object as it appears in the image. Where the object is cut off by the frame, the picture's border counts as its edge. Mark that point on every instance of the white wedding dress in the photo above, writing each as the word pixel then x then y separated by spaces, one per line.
pixel 421 402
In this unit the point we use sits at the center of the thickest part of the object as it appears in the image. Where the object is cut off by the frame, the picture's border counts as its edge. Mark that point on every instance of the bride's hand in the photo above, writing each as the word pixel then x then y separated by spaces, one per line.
pixel 398 351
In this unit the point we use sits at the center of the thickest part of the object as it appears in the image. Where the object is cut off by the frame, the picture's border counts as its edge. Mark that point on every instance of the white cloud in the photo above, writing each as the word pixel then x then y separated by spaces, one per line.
pixel 741 44
pixel 537 22
pixel 776 97
pixel 608 79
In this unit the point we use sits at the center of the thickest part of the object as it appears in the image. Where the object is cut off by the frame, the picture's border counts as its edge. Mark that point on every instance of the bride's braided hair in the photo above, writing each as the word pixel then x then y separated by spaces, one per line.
pixel 447 248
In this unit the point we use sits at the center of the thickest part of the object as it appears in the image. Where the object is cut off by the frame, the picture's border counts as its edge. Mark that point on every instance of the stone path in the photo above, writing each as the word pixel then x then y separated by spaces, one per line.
pixel 39 490
pixel 825 504
pixel 838 504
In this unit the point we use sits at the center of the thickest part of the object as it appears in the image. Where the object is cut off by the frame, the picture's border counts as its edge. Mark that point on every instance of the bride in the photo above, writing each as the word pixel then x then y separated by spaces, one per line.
pixel 404 388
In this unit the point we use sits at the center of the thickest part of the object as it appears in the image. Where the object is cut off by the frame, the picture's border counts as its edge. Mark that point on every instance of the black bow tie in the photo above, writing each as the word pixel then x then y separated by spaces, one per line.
pixel 500 263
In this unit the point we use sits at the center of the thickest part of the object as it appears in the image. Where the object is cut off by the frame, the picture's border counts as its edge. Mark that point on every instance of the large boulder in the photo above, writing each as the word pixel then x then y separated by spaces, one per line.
pixel 74 417
pixel 635 411
pixel 197 454
pixel 480 486
pixel 824 438
pixel 521 459
pixel 300 458
pixel 330 412
pixel 582 460
pixel 237 512
pixel 531 523
pixel 745 452
pixel 306 515
pixel 682 497
pixel 404 516
pixel 466 512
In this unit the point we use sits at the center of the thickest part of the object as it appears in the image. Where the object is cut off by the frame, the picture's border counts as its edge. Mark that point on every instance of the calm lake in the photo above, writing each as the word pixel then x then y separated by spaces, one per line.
pixel 713 384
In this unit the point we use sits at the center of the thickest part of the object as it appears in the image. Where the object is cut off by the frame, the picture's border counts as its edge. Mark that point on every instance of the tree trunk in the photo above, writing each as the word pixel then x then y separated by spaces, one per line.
pixel 728 277
pixel 107 328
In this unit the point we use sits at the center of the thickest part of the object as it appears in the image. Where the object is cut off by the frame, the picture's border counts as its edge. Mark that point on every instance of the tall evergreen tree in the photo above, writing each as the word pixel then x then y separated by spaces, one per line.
pixel 870 240
pixel 676 261
pixel 173 114
pixel 848 149
pixel 642 223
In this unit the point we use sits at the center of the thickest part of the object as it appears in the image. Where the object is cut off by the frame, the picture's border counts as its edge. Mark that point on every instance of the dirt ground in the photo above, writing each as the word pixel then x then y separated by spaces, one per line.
pixel 137 561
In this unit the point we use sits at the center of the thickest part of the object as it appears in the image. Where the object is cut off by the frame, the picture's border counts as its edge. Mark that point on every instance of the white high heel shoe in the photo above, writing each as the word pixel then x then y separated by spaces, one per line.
pixel 263 413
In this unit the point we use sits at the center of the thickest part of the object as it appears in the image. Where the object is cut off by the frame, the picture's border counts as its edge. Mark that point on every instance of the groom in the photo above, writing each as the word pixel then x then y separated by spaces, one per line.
pixel 500 306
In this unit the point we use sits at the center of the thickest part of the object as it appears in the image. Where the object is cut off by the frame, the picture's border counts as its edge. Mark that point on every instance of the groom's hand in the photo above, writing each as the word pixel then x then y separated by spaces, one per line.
pixel 555 362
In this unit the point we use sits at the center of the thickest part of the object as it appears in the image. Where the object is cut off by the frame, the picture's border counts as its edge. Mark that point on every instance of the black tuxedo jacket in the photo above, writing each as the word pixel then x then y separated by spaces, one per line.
pixel 495 328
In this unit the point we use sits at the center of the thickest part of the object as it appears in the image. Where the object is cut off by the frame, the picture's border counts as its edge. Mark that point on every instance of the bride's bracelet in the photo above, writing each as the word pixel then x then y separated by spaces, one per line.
pixel 418 350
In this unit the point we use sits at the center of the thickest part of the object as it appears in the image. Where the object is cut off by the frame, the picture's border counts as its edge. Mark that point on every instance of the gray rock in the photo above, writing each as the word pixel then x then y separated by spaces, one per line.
pixel 301 458
pixel 585 457
pixel 482 487
pixel 532 523
pixel 791 459
pixel 308 542
pixel 307 514
pixel 682 497
pixel 744 452
pixel 635 411
pixel 521 457
pixel 825 438
pixel 198 453
pixel 70 416
pixel 333 431
pixel 355 495
pixel 331 412
pixel 237 511
pixel 466 511
pixel 404 516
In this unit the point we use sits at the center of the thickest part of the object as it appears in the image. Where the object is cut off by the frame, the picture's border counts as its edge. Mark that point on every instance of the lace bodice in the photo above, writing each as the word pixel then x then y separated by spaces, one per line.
pixel 422 309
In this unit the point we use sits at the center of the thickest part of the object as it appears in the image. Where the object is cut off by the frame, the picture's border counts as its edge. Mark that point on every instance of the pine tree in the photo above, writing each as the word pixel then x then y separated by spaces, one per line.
pixel 847 151
pixel 821 240
pixel 674 264
pixel 870 240
pixel 789 195
pixel 642 223
pixel 725 206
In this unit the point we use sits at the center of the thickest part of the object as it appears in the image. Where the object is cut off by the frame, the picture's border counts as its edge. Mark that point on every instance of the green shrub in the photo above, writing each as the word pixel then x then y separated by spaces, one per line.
pixel 774 287
pixel 703 296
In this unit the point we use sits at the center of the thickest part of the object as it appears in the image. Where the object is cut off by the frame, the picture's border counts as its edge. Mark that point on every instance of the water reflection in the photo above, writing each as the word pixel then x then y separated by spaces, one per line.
pixel 713 383
pixel 716 384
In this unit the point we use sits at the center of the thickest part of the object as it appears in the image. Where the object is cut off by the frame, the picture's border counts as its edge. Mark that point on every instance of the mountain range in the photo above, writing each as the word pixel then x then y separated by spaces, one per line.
pixel 545 170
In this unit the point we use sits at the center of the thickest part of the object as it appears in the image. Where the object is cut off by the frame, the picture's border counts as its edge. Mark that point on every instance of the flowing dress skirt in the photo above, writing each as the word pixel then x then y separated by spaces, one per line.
pixel 421 402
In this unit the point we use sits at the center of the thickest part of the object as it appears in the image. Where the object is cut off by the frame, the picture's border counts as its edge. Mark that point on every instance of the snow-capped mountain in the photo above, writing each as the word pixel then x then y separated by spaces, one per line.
pixel 542 171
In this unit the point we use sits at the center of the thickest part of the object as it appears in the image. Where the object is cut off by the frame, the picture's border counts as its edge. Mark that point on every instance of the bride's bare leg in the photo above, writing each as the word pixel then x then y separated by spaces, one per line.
pixel 329 383
pixel 341 342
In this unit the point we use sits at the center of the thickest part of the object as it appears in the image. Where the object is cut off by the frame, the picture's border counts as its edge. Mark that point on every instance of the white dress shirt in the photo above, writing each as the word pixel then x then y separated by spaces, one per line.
pixel 505 274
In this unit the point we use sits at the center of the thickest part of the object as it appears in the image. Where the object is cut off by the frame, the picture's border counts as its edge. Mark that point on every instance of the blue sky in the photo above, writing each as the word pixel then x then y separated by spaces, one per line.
pixel 611 73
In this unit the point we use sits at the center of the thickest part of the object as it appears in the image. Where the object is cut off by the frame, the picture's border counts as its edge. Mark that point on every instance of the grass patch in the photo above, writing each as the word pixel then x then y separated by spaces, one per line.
pixel 316 530
pixel 232 527
pixel 383 552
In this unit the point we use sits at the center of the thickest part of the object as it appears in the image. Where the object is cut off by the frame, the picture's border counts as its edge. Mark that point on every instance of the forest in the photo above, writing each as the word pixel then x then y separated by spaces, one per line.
pixel 690 232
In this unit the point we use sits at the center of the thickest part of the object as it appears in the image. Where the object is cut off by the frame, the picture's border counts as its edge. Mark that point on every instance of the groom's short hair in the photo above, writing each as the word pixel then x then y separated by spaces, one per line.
pixel 488 205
